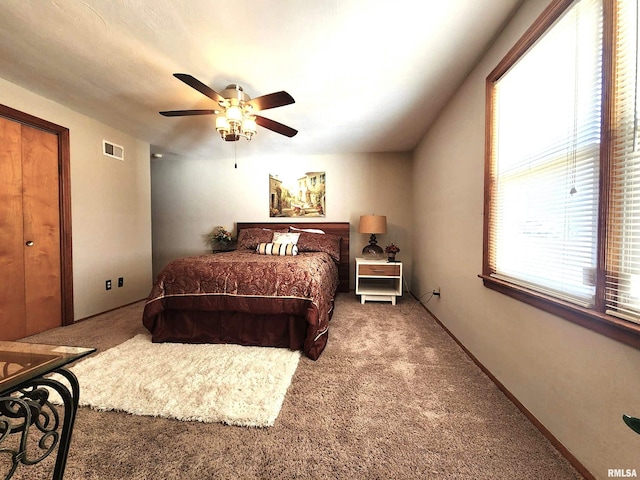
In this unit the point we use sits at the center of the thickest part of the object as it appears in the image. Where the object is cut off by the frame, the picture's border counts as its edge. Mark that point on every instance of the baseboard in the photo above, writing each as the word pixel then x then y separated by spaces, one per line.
pixel 107 311
pixel 532 418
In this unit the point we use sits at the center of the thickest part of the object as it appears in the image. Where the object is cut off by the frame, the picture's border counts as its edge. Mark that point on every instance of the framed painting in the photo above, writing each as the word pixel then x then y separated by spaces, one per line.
pixel 292 195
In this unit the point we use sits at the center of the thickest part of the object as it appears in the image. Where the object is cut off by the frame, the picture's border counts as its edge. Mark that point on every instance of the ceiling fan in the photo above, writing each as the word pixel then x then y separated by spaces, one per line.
pixel 236 117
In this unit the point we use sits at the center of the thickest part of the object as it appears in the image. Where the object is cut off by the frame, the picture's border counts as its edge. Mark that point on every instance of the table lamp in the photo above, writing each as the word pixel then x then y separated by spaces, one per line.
pixel 373 224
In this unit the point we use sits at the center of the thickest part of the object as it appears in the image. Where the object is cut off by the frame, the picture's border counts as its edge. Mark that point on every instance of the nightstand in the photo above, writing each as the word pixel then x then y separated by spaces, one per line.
pixel 220 247
pixel 378 280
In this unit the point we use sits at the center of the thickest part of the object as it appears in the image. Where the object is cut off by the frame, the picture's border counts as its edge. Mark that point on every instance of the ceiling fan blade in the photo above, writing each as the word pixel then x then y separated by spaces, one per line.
pixel 182 113
pixel 275 126
pixel 272 100
pixel 199 86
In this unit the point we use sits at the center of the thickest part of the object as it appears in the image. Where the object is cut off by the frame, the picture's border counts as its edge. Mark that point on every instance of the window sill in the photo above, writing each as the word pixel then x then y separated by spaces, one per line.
pixel 612 327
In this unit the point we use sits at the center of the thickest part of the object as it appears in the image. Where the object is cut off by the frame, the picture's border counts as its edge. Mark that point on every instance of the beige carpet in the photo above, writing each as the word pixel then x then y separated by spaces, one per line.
pixel 232 384
pixel 391 397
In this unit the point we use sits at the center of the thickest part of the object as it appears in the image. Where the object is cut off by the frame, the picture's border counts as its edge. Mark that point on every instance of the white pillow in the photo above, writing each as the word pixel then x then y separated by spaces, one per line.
pixel 285 237
pixel 310 230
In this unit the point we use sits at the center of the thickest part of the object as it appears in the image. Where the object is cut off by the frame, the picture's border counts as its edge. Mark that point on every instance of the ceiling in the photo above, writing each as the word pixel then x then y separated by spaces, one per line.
pixel 367 75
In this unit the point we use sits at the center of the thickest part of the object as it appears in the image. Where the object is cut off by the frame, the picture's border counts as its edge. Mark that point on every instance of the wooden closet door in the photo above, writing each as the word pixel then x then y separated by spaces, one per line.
pixel 12 288
pixel 30 294
pixel 41 211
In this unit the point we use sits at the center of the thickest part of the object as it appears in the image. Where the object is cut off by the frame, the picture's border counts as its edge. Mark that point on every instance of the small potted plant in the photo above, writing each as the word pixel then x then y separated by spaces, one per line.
pixel 220 239
pixel 391 251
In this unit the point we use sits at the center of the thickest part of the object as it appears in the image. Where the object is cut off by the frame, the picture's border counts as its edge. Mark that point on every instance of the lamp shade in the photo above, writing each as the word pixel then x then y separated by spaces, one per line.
pixel 373 224
pixel 221 124
pixel 234 114
pixel 249 126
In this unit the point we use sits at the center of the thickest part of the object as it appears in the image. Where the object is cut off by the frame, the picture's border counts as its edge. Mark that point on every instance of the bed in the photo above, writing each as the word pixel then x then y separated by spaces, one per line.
pixel 255 298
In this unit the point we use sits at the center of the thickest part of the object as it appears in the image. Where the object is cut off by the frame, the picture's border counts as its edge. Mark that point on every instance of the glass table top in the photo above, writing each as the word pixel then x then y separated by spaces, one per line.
pixel 20 362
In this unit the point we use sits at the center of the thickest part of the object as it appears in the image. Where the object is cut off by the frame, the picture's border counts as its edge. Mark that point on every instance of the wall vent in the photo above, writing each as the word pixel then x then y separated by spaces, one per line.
pixel 112 150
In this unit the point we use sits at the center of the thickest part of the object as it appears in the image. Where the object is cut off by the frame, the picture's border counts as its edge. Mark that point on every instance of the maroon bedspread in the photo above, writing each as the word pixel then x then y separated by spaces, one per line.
pixel 243 281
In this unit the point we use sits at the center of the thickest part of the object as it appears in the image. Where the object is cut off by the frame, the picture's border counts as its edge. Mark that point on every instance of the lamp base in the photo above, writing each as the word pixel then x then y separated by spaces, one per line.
pixel 372 251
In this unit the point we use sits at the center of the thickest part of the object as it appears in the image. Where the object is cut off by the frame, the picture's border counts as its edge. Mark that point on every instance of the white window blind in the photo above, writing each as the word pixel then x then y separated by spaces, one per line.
pixel 545 161
pixel 622 292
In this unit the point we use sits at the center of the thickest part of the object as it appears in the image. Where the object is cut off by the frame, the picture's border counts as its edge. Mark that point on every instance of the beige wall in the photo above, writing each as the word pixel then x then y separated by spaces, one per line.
pixel 577 383
pixel 110 206
pixel 192 196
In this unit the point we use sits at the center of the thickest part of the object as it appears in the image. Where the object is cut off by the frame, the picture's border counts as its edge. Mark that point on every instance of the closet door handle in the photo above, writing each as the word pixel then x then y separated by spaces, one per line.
pixel 29 243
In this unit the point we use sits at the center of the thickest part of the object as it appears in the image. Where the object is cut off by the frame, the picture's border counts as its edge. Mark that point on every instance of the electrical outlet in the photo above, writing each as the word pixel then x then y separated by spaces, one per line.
pixel 436 291
pixel 107 285
pixel 120 282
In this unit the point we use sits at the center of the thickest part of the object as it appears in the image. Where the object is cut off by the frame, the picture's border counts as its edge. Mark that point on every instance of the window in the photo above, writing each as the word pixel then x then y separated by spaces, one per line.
pixel 562 186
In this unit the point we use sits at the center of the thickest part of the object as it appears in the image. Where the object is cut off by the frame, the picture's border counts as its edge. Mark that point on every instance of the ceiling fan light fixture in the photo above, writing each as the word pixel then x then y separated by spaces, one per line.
pixel 236 122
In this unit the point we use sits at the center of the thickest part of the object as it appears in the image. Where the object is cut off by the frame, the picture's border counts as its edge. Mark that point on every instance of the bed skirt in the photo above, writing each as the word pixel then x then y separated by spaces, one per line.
pixel 291 327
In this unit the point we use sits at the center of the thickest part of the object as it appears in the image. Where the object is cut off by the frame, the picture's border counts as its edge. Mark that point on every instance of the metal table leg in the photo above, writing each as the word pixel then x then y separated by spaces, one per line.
pixel 27 410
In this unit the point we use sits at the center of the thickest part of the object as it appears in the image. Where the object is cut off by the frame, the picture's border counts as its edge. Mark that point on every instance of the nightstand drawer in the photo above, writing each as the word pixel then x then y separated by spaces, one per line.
pixel 384 270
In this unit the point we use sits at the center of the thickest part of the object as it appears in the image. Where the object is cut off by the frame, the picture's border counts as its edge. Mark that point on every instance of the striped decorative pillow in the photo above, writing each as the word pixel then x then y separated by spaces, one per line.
pixel 277 249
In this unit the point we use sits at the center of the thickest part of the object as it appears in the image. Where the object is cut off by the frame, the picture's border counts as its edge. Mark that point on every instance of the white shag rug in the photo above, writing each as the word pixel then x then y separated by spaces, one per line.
pixel 232 384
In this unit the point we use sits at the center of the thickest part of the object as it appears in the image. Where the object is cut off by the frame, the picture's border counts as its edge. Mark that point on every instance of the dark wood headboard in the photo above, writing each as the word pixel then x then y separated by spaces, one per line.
pixel 341 229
